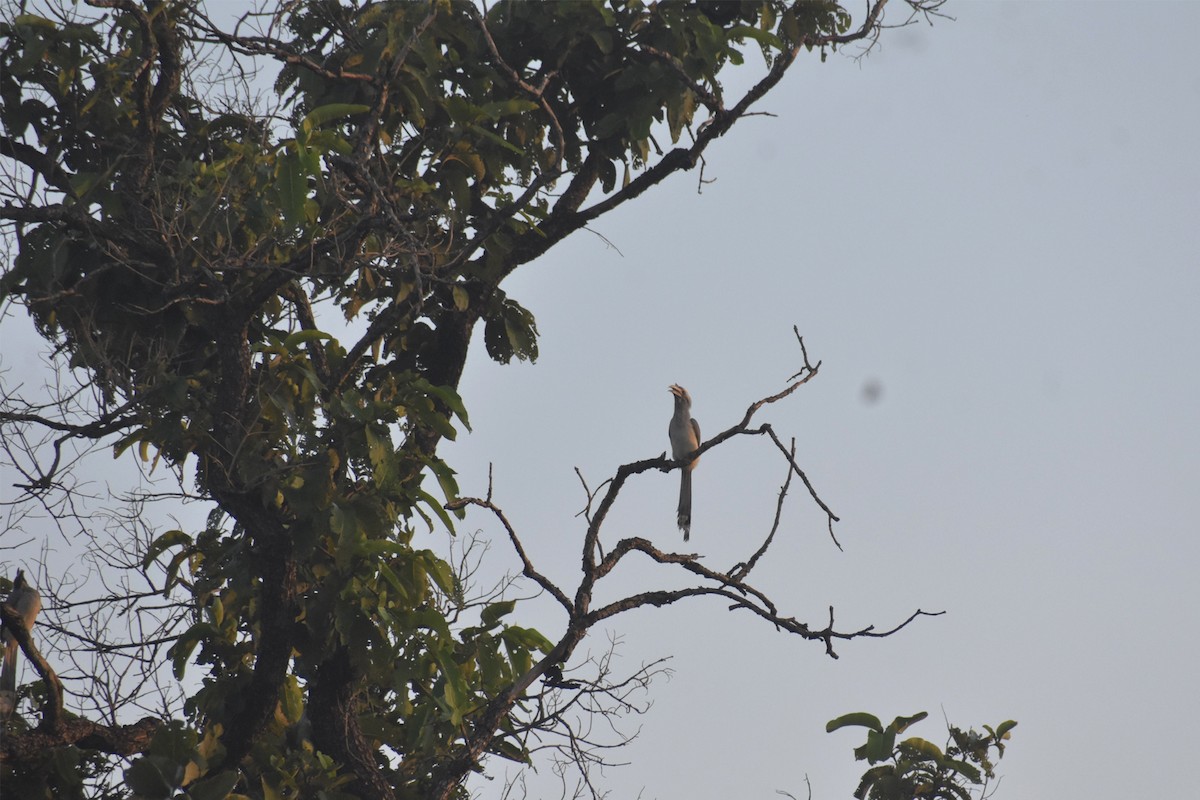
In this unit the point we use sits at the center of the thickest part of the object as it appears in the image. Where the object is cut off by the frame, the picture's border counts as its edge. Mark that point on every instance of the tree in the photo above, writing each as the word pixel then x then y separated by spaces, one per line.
pixel 274 300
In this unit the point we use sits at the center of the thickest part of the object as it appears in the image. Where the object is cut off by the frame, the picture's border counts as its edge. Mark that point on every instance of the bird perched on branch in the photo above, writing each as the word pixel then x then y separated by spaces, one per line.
pixel 26 601
pixel 685 438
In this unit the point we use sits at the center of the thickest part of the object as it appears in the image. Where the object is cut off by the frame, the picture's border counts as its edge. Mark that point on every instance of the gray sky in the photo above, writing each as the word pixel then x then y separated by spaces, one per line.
pixel 995 221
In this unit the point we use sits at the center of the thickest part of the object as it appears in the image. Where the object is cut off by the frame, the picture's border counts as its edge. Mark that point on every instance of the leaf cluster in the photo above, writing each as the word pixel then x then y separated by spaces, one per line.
pixel 910 768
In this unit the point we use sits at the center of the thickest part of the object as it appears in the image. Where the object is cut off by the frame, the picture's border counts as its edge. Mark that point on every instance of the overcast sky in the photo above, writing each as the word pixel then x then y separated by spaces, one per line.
pixel 995 221
pixel 987 231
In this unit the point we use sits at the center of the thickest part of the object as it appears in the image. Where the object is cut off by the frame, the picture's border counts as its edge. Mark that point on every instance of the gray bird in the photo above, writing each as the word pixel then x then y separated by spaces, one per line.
pixel 685 438
pixel 27 602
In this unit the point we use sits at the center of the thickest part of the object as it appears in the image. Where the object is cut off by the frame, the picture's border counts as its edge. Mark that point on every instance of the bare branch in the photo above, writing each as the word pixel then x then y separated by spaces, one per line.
pixel 527 568
pixel 740 571
pixel 705 582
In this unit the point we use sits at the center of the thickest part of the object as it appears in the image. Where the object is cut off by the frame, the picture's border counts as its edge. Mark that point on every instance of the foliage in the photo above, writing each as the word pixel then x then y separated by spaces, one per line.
pixel 917 768
pixel 274 299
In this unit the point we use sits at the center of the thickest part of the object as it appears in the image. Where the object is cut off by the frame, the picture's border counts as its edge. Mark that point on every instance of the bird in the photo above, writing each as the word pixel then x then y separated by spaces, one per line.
pixel 685 438
pixel 27 602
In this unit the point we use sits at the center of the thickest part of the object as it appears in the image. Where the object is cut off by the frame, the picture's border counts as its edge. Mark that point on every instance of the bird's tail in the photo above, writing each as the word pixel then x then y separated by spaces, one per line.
pixel 8 672
pixel 685 503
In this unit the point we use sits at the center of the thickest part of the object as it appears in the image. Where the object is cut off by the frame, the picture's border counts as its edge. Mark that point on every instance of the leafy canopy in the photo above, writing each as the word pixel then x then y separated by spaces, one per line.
pixel 273 295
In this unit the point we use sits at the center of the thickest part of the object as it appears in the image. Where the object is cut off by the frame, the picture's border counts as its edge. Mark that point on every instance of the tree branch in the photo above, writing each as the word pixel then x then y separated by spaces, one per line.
pixel 119 740
pixel 740 571
pixel 527 568
pixel 582 618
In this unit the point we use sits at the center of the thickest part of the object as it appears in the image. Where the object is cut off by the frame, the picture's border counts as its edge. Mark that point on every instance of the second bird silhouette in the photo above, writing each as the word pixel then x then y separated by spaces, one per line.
pixel 685 438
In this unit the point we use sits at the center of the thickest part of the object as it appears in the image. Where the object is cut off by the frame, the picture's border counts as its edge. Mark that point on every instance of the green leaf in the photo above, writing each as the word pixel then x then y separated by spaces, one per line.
pixel 878 747
pixel 167 540
pixel 327 113
pixel 427 618
pixel 350 536
pixel 377 547
pixel 518 654
pixel 216 611
pixel 492 668
pixel 181 651
pixel 870 778
pixel 293 700
pixel 461 110
pixel 527 637
pixel 270 792
pixel 765 38
pixel 291 184
pixel 457 692
pixel 608 175
pixel 968 771
pixel 681 108
pixel 453 401
pixel 393 580
pixel 511 331
pixel 64 764
pixel 498 140
pixel 153 777
pixel 901 724
pixel 507 749
pixel 298 338
pixel 33 20
pixel 435 506
pixel 445 478
pixel 441 574
pixel 125 442
pixel 491 614
pixel 379 446
pixel 507 108
pixel 172 576
pixel 216 787
pixel 859 718
pixel 924 748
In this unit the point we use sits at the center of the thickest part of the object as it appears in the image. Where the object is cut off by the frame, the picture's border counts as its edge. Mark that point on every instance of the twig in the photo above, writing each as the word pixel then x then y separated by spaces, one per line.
pixel 742 570
pixel 527 567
